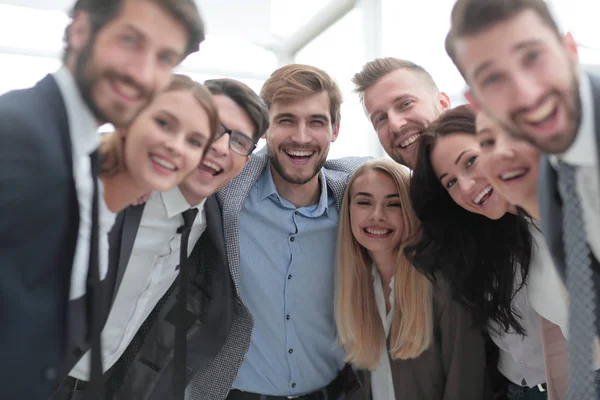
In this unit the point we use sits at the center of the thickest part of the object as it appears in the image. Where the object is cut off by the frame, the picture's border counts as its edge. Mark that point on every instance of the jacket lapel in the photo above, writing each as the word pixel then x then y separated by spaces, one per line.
pixel 231 198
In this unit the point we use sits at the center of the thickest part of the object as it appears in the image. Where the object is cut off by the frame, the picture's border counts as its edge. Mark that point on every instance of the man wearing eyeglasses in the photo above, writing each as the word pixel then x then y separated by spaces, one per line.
pixel 145 315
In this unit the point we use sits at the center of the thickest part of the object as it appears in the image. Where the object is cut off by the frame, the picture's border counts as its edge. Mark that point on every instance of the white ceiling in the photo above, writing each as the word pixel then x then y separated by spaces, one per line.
pixel 247 18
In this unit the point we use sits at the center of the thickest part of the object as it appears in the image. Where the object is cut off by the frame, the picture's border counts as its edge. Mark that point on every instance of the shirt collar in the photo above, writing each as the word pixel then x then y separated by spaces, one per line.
pixel 582 150
pixel 266 188
pixel 175 203
pixel 83 127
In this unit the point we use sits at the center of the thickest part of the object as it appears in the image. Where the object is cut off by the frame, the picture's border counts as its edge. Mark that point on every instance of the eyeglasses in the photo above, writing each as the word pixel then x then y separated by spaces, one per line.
pixel 238 142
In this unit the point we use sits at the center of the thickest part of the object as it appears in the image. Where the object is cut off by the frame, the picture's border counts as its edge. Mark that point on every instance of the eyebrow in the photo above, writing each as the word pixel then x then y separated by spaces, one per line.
pixel 482 131
pixel 145 36
pixel 459 157
pixel 519 46
pixel 366 194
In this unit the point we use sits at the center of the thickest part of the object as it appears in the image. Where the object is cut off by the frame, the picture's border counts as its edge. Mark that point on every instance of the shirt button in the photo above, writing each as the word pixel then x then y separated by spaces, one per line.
pixel 296 212
pixel 290 351
pixel 289 276
pixel 293 385
pixel 523 363
pixel 287 316
pixel 292 239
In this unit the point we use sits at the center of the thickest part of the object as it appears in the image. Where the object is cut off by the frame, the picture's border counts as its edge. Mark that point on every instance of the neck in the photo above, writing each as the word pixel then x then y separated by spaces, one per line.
pixel 192 200
pixel 385 261
pixel 532 207
pixel 300 195
pixel 120 190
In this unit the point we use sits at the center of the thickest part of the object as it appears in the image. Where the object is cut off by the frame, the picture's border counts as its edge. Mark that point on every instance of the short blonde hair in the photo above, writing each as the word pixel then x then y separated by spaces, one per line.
pixel 297 81
pixel 113 159
pixel 359 325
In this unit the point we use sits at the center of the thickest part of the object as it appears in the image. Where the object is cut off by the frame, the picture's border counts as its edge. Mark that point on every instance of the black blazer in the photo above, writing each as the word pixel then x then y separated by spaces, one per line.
pixel 211 298
pixel 551 204
pixel 39 220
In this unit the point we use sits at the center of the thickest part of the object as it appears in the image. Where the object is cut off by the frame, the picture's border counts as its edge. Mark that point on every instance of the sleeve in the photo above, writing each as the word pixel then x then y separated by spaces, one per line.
pixel 463 351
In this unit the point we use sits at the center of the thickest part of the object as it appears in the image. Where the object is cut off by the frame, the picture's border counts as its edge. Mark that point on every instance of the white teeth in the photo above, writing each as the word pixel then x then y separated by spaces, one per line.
pixel 410 140
pixel 212 166
pixel 542 112
pixel 163 163
pixel 299 153
pixel 127 90
pixel 375 231
pixel 482 195
pixel 513 174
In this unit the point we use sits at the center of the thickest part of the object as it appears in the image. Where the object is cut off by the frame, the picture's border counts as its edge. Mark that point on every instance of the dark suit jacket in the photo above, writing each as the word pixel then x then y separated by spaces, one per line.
pixel 551 204
pixel 39 219
pixel 211 298
pixel 453 367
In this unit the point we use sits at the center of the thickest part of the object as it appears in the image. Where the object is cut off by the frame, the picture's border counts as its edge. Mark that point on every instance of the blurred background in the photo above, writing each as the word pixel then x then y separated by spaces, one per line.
pixel 248 39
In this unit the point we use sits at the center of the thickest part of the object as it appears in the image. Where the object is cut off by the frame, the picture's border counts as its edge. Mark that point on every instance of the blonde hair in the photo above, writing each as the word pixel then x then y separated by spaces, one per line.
pixel 359 325
pixel 298 81
pixel 112 144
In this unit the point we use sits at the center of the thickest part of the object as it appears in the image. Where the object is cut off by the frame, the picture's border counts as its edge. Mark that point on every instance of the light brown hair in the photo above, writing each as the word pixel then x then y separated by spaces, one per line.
pixel 359 325
pixel 113 159
pixel 470 17
pixel 376 69
pixel 298 81
pixel 101 12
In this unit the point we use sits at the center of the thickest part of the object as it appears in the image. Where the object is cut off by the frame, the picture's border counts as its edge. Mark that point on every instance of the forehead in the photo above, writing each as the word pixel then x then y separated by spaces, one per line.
pixel 484 122
pixel 397 83
pixel 233 116
pixel 374 181
pixel 304 107
pixel 185 107
pixel 501 41
pixel 449 147
pixel 153 21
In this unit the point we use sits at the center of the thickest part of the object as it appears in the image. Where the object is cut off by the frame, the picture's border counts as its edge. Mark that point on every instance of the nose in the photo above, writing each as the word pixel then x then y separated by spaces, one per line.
pixel 143 70
pixel 377 214
pixel 301 134
pixel 527 90
pixel 466 184
pixel 221 145
pixel 396 121
pixel 175 143
pixel 503 148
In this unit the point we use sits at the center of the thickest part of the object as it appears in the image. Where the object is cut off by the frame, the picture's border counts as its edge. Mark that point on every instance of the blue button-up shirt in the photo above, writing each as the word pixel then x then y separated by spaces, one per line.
pixel 287 266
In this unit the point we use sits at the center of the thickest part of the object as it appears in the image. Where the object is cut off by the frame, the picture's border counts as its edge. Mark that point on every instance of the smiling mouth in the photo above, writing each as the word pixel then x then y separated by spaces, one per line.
pixel 126 91
pixel 483 196
pixel 210 167
pixel 542 114
pixel 163 163
pixel 411 140
pixel 377 232
pixel 512 175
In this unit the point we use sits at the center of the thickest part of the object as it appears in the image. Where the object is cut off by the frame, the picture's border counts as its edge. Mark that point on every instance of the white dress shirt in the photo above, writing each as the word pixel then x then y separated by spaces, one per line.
pixel 547 294
pixel 150 272
pixel 583 153
pixel 85 139
pixel 382 385
pixel 521 359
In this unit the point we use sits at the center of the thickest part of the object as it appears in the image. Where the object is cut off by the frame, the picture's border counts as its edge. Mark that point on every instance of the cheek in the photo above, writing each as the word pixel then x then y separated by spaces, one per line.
pixel 191 159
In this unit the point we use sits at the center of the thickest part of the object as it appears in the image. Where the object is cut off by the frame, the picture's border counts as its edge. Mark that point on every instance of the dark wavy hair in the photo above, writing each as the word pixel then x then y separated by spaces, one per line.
pixel 481 258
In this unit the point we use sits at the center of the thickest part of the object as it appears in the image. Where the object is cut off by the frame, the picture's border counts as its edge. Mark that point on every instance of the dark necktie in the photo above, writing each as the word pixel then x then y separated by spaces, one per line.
pixel 582 296
pixel 179 359
pixel 94 294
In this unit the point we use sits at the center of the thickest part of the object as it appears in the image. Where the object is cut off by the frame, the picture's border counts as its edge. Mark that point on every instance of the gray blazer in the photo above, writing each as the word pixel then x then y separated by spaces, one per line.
pixel 216 379
pixel 551 204
pixel 454 366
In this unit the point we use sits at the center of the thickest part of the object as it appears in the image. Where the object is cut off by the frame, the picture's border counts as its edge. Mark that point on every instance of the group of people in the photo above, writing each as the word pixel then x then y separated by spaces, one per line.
pixel 167 259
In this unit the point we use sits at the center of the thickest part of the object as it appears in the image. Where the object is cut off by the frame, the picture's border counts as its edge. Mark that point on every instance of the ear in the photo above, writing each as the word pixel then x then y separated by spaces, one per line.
pixel 472 101
pixel 444 101
pixel 79 32
pixel 336 132
pixel 570 46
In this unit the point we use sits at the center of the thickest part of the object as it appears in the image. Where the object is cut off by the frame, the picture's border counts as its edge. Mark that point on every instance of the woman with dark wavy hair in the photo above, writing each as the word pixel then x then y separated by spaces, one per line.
pixel 480 244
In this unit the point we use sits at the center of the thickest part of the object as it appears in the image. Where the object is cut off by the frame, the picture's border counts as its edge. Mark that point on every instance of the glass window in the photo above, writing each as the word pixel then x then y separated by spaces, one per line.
pixel 340 51
pixel 19 71
pixel 286 16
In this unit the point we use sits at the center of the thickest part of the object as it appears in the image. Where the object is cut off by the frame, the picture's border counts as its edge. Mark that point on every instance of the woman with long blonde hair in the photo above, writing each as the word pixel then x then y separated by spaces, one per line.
pixel 417 343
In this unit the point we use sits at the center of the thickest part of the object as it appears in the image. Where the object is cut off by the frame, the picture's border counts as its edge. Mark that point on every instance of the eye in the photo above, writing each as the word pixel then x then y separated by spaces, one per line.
pixel 363 203
pixel 470 162
pixel 381 118
pixel 286 121
pixel 163 124
pixel 486 143
pixel 532 56
pixel 491 79
pixel 129 40
pixel 406 104
pixel 394 205
pixel 450 183
pixel 167 59
pixel 317 122
pixel 195 142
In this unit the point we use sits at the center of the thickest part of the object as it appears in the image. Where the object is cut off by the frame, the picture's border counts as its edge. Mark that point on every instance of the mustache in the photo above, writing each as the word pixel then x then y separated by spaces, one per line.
pixel 517 114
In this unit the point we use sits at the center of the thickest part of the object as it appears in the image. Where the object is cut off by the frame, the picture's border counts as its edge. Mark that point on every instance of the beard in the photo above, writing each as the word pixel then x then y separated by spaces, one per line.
pixel 296 180
pixel 88 77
